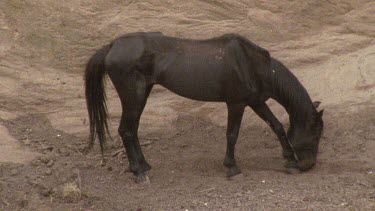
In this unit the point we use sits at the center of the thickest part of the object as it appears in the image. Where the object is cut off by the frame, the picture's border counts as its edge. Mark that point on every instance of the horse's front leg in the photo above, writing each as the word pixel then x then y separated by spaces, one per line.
pixel 235 113
pixel 264 112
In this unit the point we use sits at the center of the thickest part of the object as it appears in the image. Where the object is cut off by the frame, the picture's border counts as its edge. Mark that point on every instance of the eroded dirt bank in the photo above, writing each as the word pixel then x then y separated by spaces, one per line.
pixel 45 44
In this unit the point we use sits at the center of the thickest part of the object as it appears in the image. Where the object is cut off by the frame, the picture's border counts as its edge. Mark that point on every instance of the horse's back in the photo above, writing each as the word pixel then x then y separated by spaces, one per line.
pixel 208 70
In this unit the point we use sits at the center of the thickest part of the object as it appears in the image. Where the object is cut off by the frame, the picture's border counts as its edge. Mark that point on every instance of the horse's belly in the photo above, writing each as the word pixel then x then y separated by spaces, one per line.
pixel 199 76
pixel 195 81
pixel 196 88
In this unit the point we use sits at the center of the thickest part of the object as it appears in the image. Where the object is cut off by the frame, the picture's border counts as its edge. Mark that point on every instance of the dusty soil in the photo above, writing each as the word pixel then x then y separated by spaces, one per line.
pixel 329 45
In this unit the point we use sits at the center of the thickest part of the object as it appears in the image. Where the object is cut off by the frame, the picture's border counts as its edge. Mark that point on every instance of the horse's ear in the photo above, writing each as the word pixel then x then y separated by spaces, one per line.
pixel 316 104
pixel 320 113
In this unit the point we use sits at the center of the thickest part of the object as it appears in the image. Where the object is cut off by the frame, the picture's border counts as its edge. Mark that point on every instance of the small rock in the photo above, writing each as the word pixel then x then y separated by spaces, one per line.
pixel 50 163
pixel 45 191
pixel 27 141
pixel 344 204
pixel 47 148
pixel 13 172
pixel 146 143
pixel 45 159
pixel 64 152
pixel 84 165
pixel 194 202
pixel 184 145
pixel 48 172
pixel 33 182
pixel 63 180
pixel 35 162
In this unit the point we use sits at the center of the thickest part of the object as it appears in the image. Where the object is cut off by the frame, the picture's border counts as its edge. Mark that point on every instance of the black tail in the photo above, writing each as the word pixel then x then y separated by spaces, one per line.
pixel 96 97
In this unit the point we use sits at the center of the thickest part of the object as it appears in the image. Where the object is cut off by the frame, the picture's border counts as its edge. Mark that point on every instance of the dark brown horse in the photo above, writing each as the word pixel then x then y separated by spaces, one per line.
pixel 228 69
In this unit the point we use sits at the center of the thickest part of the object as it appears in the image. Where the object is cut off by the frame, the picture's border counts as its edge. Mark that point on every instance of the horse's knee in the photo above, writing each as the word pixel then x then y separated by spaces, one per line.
pixel 232 139
pixel 121 131
pixel 126 133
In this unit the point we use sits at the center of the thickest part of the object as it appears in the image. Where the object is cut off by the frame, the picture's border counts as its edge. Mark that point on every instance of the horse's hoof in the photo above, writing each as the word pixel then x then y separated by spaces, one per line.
pixel 234 170
pixel 291 164
pixel 292 171
pixel 291 167
pixel 142 179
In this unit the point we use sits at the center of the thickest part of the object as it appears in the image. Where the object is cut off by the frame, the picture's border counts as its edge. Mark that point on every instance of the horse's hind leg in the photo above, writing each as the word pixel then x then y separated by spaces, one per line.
pixel 235 113
pixel 264 112
pixel 133 92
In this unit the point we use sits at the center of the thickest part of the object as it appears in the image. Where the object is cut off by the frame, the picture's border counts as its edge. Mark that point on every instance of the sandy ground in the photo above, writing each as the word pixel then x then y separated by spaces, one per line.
pixel 45 44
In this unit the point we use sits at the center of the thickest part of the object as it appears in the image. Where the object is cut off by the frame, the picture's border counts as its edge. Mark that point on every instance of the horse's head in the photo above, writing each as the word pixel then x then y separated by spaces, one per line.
pixel 305 139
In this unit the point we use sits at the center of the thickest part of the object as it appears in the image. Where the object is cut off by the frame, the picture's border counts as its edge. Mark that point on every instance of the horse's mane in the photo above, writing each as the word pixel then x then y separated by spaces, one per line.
pixel 289 92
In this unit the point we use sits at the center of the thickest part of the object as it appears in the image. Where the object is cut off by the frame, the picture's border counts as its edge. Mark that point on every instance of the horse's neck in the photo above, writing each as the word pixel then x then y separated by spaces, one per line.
pixel 290 93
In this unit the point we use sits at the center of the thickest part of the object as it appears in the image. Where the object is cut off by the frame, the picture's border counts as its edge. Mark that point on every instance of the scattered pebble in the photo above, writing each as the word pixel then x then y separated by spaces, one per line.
pixel 48 172
pixel 45 191
pixel 49 148
pixel 33 182
pixel 45 159
pixel 35 162
pixel 63 180
pixel 13 172
pixel 27 141
pixel 263 181
pixel 64 152
pixel 50 163
pixel 146 143
pixel 184 145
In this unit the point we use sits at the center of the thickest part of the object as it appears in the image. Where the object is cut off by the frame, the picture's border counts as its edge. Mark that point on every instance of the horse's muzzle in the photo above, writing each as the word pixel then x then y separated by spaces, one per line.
pixel 306 160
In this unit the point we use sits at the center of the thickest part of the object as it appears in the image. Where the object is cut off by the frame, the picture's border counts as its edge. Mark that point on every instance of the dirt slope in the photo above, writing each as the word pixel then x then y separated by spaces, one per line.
pixel 44 46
